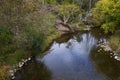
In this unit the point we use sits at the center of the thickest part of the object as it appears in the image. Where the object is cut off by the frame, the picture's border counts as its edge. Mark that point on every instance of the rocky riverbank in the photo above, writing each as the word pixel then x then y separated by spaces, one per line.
pixel 105 45
pixel 17 67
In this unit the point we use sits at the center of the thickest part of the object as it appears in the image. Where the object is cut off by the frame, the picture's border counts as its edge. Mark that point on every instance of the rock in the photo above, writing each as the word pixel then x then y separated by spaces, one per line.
pixel 29 58
pixel 20 64
pixel 25 60
pixel 63 28
pixel 116 57
pixel 13 77
pixel 105 46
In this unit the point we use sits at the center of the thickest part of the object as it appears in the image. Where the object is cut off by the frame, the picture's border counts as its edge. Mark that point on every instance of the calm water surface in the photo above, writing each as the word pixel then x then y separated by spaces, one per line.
pixel 73 57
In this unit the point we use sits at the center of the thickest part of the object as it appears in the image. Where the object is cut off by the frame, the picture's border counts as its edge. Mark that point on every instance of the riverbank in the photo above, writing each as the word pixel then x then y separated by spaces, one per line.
pixel 115 41
pixel 21 63
pixel 7 71
pixel 72 54
pixel 104 45
pixel 112 45
pixel 23 34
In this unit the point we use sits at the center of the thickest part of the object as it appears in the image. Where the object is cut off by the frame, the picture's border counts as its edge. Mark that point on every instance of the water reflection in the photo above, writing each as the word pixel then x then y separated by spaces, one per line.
pixel 34 71
pixel 106 64
pixel 66 37
pixel 73 57
pixel 70 60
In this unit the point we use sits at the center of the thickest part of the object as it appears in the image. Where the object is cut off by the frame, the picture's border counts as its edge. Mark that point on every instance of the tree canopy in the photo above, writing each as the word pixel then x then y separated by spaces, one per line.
pixel 107 13
pixel 68 12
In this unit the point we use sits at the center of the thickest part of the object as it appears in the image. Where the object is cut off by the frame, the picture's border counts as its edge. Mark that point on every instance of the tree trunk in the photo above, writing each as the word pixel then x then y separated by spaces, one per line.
pixel 90 3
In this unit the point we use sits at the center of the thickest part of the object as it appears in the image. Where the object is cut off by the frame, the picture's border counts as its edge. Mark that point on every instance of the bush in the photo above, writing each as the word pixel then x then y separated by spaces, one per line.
pixel 5 35
pixel 109 27
pixel 35 41
pixel 5 39
pixel 107 14
pixel 15 57
pixel 115 41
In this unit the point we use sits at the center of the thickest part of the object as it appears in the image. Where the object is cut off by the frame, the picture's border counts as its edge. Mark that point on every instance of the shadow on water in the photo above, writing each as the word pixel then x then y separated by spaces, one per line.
pixel 106 64
pixel 66 37
pixel 34 71
pixel 69 60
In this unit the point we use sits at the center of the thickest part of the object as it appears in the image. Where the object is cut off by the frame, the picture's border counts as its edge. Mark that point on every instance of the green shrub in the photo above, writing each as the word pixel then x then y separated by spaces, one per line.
pixel 107 14
pixel 15 57
pixel 109 27
pixel 35 41
pixel 5 35
pixel 5 39
pixel 115 41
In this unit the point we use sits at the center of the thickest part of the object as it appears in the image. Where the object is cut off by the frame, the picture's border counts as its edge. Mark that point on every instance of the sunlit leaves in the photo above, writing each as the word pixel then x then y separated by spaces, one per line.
pixel 110 12
pixel 109 27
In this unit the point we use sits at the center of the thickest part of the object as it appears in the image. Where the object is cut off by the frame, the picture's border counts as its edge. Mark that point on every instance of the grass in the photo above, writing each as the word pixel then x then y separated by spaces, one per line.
pixel 115 41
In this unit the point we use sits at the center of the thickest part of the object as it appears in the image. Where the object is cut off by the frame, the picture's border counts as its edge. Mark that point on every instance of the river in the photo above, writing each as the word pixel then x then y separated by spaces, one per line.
pixel 73 57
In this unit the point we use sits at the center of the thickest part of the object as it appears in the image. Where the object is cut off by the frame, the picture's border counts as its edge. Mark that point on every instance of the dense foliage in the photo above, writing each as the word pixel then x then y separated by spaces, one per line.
pixel 26 28
pixel 107 14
